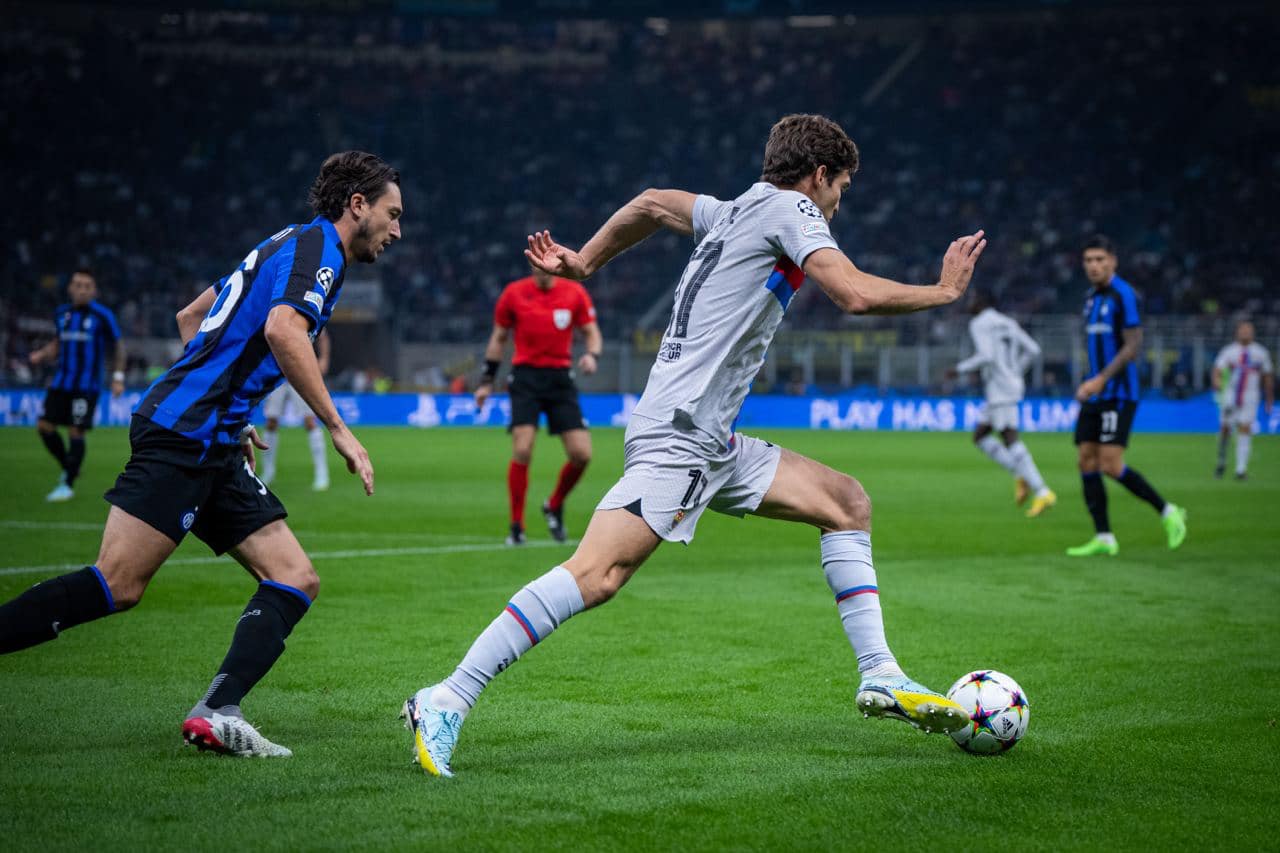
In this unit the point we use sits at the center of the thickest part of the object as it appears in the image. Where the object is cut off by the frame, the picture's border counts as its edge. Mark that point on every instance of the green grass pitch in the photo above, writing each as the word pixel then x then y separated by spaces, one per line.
pixel 709 707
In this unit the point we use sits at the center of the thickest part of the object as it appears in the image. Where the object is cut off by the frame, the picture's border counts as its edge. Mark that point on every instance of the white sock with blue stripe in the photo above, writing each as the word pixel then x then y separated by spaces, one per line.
pixel 533 613
pixel 846 559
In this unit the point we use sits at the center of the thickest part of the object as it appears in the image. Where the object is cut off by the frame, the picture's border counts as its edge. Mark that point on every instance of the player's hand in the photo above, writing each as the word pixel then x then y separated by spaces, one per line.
pixel 587 363
pixel 483 392
pixel 1089 388
pixel 36 357
pixel 117 387
pixel 249 439
pixel 958 263
pixel 550 257
pixel 350 449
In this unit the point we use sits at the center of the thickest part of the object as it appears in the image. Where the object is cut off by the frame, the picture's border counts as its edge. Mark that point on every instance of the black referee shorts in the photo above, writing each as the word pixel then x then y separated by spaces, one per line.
pixel 167 485
pixel 70 408
pixel 535 390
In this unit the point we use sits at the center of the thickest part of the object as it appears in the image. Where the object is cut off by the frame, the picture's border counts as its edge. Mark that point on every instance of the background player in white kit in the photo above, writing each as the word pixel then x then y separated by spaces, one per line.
pixel 681 454
pixel 1002 353
pixel 1247 365
pixel 284 399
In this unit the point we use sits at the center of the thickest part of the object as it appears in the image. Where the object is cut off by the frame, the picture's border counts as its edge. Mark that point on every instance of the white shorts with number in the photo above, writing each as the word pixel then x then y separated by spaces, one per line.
pixel 675 474
pixel 1001 417
pixel 282 400
pixel 1242 415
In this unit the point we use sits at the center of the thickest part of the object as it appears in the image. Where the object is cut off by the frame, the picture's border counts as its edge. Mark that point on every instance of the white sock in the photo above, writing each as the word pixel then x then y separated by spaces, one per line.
pixel 533 613
pixel 1109 538
pixel 991 446
pixel 846 560
pixel 268 457
pixel 319 457
pixel 1244 443
pixel 1025 467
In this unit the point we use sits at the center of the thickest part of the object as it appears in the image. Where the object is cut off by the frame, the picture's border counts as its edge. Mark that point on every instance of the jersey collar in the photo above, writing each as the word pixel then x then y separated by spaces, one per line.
pixel 332 233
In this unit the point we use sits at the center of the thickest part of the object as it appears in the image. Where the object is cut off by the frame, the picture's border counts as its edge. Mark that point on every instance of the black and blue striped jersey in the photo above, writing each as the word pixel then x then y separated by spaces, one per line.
pixel 227 368
pixel 85 333
pixel 1108 311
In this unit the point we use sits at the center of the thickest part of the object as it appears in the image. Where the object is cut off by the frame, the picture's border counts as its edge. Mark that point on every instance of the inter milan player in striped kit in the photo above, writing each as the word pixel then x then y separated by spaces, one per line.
pixel 682 455
pixel 86 330
pixel 191 467
pixel 1109 399
pixel 543 311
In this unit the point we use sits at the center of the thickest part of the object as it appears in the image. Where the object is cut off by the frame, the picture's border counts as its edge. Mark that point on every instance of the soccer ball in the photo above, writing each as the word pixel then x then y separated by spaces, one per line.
pixel 997 707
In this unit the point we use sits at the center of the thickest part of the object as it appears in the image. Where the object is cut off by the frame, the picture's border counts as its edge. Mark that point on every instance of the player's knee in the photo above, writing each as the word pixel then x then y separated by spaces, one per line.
pixel 853 506
pixel 45 427
pixel 303 578
pixel 522 455
pixel 1112 466
pixel 580 457
pixel 126 590
pixel 273 424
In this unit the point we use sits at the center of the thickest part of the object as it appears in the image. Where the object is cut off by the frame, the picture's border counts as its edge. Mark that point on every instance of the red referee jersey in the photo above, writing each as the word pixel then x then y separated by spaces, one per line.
pixel 544 320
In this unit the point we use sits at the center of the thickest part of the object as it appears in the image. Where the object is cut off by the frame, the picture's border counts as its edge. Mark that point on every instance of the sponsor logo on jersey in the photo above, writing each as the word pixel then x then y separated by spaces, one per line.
pixel 315 299
pixel 562 317
pixel 810 228
pixel 1098 328
pixel 808 208
pixel 324 278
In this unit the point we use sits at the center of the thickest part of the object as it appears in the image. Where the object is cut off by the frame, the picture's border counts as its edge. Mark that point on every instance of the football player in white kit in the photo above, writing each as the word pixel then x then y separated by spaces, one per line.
pixel 1002 353
pixel 1247 366
pixel 681 453
pixel 285 399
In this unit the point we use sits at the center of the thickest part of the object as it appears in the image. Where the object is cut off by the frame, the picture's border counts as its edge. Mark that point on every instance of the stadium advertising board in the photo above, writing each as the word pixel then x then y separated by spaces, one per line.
pixel 901 414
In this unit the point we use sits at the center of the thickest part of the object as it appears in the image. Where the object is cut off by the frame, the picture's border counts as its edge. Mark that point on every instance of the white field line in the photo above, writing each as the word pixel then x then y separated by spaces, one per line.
pixel 303 533
pixel 421 551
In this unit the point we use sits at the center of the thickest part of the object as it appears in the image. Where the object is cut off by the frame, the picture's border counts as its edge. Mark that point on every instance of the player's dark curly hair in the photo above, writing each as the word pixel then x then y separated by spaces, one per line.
pixel 345 174
pixel 799 144
pixel 1100 241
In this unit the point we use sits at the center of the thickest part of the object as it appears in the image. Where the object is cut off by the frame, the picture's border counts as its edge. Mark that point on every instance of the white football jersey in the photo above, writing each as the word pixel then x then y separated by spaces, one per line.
pixel 747 265
pixel 1003 352
pixel 1247 364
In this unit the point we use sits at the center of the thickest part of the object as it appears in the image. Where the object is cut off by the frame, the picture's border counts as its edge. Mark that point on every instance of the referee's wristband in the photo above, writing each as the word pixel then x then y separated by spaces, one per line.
pixel 490 370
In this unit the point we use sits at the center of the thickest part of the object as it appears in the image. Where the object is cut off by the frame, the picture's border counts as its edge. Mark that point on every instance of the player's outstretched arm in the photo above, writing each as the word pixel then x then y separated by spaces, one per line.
pixel 288 334
pixel 190 318
pixel 633 223
pixel 857 292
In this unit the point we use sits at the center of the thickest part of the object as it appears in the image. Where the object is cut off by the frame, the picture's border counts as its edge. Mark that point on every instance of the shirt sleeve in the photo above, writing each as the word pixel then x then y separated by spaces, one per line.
pixel 982 350
pixel 1265 361
pixel 795 227
pixel 306 274
pixel 586 311
pixel 1223 358
pixel 504 314
pixel 110 329
pixel 707 211
pixel 1026 343
pixel 1129 302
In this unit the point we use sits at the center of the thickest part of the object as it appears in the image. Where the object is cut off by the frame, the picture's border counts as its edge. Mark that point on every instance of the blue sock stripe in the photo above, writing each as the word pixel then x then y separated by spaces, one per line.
pixel 106 590
pixel 856 590
pixel 284 587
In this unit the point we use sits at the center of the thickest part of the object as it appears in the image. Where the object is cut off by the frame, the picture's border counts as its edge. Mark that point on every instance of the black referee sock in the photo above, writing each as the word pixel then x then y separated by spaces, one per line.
pixel 53 441
pixel 51 606
pixel 75 457
pixel 258 642
pixel 1136 483
pixel 1095 498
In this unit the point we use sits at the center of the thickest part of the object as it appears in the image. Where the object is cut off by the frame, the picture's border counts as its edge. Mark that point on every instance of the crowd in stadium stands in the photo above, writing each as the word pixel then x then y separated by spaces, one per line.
pixel 158 148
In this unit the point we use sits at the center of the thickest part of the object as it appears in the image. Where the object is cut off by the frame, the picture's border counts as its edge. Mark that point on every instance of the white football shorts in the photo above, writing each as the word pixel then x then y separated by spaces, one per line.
pixel 284 399
pixel 1001 417
pixel 1242 415
pixel 672 475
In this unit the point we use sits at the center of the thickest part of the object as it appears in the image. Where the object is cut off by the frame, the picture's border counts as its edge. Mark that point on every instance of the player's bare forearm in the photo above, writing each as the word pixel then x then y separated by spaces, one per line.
pixel 323 350
pixel 190 318
pixel 856 292
pixel 494 350
pixel 1127 353
pixel 636 221
pixel 1268 391
pixel 121 356
pixel 592 339
pixel 288 335
pixel 48 352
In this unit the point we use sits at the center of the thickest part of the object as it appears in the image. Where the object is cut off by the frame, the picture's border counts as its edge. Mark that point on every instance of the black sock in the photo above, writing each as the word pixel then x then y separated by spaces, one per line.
pixel 51 606
pixel 75 456
pixel 258 641
pixel 1095 498
pixel 1136 483
pixel 53 441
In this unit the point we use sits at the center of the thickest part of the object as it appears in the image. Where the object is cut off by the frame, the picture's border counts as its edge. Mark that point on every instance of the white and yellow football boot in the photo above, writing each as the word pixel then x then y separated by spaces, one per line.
pixel 900 698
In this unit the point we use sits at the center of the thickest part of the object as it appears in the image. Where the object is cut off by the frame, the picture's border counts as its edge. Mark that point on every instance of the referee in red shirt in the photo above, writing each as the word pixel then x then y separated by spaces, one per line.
pixel 543 311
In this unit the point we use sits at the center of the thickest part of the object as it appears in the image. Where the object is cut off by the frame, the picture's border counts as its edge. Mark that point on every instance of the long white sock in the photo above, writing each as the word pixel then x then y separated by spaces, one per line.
pixel 268 456
pixel 846 560
pixel 1026 466
pixel 533 613
pixel 319 457
pixel 1244 442
pixel 991 446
